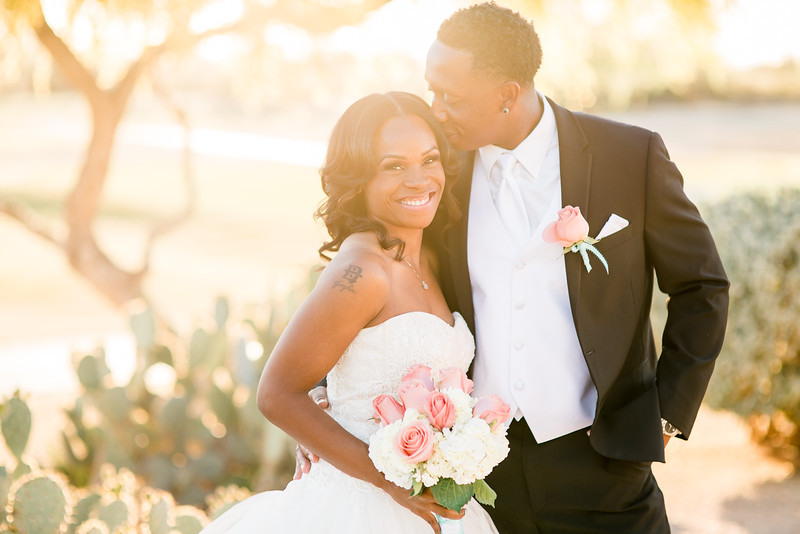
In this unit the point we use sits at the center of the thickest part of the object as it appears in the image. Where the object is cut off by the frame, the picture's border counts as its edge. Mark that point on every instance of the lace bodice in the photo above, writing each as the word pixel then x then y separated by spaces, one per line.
pixel 379 357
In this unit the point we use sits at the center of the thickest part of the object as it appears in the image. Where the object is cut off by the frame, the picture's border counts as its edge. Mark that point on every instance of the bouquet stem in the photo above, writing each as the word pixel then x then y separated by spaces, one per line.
pixel 451 526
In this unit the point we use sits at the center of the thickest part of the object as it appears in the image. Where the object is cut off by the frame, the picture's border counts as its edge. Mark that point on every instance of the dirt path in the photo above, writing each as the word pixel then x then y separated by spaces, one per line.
pixel 721 483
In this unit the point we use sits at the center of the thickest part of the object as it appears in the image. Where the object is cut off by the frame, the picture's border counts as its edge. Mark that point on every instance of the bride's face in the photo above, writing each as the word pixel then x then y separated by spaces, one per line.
pixel 409 179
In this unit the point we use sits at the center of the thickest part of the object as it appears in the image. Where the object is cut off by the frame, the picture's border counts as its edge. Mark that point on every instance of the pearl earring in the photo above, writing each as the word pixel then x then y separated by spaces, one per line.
pixel 506 110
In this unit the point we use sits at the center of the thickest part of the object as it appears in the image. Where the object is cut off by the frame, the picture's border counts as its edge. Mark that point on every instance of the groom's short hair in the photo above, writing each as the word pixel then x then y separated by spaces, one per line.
pixel 502 42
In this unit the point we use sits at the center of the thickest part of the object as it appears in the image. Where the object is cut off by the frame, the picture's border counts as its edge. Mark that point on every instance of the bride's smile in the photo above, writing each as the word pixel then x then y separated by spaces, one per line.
pixel 418 202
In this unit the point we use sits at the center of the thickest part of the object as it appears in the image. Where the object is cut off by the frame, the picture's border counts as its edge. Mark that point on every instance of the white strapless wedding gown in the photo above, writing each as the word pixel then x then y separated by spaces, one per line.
pixel 329 501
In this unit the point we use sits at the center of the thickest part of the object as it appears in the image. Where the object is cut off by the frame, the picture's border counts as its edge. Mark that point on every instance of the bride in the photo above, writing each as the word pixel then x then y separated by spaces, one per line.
pixel 376 310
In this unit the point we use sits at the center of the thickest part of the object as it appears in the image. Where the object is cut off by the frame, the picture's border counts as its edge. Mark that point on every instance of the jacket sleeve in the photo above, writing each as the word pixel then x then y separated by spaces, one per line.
pixel 688 269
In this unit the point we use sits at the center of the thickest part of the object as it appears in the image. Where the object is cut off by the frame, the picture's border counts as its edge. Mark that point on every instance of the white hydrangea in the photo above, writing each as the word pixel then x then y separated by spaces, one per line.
pixel 463 404
pixel 386 460
pixel 467 452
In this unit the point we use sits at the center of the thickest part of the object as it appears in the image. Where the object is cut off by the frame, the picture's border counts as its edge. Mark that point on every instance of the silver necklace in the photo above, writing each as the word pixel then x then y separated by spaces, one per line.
pixel 421 281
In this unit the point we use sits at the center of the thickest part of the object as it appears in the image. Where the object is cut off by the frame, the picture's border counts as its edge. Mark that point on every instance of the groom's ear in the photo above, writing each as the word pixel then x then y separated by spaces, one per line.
pixel 509 92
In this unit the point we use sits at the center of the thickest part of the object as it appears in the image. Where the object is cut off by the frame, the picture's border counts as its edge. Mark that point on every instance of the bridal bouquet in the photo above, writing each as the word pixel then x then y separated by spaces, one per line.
pixel 438 436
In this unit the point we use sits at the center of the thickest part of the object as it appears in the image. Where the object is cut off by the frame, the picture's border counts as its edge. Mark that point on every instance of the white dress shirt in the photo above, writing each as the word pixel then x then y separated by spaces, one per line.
pixel 527 349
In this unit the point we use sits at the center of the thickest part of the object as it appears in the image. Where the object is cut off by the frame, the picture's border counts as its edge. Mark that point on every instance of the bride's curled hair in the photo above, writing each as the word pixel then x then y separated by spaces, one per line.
pixel 351 162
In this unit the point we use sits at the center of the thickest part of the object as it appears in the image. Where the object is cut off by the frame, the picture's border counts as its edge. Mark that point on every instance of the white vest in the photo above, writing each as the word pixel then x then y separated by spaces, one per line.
pixel 527 350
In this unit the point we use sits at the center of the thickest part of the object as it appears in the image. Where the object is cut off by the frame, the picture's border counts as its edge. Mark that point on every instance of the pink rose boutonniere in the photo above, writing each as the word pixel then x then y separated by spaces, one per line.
pixel 571 231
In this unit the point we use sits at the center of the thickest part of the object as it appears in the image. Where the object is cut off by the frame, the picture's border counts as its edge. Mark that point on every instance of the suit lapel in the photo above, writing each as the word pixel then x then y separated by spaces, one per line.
pixel 576 167
pixel 457 240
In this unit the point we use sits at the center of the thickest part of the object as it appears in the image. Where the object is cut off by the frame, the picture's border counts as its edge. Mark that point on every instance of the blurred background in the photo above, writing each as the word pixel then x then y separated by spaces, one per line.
pixel 158 176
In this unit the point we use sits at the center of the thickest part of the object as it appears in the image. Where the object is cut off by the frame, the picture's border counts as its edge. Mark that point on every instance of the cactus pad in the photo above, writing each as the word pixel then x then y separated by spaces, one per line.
pixel 143 325
pixel 84 506
pixel 39 505
pixel 115 513
pixel 16 424
pixel 189 520
pixel 93 526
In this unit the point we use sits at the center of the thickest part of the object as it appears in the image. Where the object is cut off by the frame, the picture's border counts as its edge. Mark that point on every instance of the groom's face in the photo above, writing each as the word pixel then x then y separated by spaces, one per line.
pixel 466 102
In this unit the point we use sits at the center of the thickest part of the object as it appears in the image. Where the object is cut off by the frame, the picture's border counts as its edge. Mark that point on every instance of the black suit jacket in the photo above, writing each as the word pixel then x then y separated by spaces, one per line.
pixel 609 167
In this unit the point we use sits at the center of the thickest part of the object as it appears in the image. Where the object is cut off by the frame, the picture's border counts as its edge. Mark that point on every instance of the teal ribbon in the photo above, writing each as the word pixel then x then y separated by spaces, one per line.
pixel 582 247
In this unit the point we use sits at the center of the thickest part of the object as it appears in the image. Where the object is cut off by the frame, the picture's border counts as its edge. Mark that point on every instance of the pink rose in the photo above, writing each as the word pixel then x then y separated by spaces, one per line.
pixel 440 409
pixel 414 443
pixel 387 409
pixel 413 394
pixel 453 377
pixel 570 228
pixel 492 410
pixel 419 372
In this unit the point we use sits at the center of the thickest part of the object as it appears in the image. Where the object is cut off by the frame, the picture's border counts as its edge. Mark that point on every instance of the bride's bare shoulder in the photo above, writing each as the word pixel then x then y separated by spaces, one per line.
pixel 360 263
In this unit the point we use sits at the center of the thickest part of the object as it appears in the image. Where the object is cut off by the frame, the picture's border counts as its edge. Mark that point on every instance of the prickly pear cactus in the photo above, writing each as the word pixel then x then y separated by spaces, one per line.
pixel 93 526
pixel 85 503
pixel 189 520
pixel 15 423
pixel 39 504
pixel 116 513
pixel 193 426
pixel 5 485
pixel 92 370
pixel 161 508
pixel 221 312
pixel 143 325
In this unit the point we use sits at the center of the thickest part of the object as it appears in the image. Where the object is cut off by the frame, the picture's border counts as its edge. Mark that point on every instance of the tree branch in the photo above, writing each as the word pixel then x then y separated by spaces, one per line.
pixel 33 221
pixel 188 170
pixel 68 64
pixel 179 41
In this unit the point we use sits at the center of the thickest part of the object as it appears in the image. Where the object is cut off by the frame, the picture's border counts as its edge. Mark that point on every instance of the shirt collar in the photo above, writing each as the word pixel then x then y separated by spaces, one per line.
pixel 532 150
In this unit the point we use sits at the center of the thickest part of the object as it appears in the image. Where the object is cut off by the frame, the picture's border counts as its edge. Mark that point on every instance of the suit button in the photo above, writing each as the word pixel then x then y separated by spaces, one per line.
pixel 519 265
pixel 518 345
pixel 519 305
pixel 519 385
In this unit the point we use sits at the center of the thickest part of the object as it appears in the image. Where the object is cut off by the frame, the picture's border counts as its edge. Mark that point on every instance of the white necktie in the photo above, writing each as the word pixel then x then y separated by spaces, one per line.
pixel 508 199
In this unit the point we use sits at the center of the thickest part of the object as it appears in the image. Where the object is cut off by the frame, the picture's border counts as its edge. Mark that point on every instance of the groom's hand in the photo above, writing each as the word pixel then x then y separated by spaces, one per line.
pixel 304 457
pixel 320 396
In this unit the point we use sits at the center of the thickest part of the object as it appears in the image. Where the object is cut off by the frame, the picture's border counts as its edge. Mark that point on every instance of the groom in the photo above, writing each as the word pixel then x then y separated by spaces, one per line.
pixel 571 350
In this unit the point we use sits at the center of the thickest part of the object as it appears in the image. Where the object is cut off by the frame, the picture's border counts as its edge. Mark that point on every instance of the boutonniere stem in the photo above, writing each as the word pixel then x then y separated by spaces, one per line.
pixel 571 231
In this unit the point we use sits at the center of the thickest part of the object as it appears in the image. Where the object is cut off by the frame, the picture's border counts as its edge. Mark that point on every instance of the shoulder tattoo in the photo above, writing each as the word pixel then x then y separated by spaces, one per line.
pixel 349 278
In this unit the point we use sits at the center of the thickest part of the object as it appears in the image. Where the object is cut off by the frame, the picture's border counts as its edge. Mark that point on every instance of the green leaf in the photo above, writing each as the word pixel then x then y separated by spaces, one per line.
pixel 484 494
pixel 416 488
pixel 451 495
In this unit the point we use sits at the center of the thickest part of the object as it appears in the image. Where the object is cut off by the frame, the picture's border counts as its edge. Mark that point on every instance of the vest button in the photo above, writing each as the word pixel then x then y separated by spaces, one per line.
pixel 519 385
pixel 518 265
pixel 518 345
pixel 519 305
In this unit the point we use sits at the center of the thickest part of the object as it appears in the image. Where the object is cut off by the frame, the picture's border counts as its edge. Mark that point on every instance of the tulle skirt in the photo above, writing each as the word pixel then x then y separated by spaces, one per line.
pixel 327 500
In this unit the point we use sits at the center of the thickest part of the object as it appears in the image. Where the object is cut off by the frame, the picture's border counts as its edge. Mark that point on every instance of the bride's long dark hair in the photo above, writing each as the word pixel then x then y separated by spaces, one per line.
pixel 350 163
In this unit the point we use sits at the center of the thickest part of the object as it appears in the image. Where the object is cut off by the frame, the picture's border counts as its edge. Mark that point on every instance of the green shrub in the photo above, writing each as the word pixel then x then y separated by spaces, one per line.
pixel 758 372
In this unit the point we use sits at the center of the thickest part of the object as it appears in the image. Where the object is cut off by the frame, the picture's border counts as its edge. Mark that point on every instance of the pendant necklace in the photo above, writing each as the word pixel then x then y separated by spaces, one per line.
pixel 424 285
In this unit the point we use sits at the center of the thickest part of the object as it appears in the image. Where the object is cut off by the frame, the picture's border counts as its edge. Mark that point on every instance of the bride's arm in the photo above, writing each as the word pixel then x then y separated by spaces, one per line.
pixel 350 292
